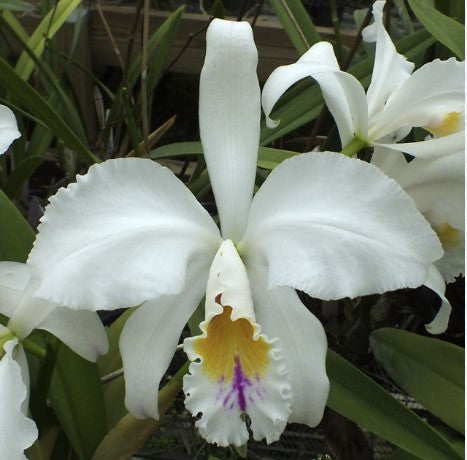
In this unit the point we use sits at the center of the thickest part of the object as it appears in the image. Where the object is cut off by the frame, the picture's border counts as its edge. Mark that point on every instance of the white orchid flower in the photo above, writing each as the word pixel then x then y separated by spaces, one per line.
pixel 437 187
pixel 130 233
pixel 8 128
pixel 396 101
pixel 82 331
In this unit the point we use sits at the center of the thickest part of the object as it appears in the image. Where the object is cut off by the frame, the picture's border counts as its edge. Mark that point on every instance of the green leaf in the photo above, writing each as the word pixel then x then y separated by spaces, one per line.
pixel 430 370
pixel 165 29
pixel 48 27
pixel 29 98
pixel 445 29
pixel 297 23
pixel 21 174
pixel 16 5
pixel 76 396
pixel 17 236
pixel 129 435
pixel 360 399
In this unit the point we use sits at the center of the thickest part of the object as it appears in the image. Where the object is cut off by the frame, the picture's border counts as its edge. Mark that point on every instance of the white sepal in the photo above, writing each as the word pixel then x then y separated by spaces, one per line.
pixel 229 117
pixel 150 337
pixel 303 342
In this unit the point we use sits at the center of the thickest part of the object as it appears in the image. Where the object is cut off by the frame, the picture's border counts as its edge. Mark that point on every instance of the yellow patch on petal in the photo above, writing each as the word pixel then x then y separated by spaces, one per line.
pixel 451 123
pixel 449 236
pixel 229 345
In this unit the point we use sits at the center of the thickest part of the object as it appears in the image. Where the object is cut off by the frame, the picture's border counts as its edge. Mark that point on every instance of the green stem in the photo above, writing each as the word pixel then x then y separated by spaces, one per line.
pixel 44 376
pixel 34 349
pixel 354 146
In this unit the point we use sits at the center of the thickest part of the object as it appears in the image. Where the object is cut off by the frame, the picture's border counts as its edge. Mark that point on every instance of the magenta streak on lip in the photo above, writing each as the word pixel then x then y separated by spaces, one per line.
pixel 240 382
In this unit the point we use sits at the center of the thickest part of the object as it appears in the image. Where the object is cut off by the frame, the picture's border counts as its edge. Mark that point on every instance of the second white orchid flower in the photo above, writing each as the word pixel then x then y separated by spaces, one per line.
pixel 130 233
pixel 397 100
pixel 82 331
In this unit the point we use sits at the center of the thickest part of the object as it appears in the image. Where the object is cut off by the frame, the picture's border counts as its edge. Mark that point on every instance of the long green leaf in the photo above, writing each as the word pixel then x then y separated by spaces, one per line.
pixel 130 433
pixel 360 399
pixel 164 29
pixel 16 5
pixel 297 23
pixel 445 29
pixel 76 396
pixel 21 174
pixel 48 27
pixel 16 236
pixel 29 98
pixel 429 369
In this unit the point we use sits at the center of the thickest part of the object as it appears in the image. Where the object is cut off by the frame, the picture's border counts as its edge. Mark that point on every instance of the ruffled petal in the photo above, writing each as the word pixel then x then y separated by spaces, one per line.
pixel 8 128
pixel 150 337
pixel 122 234
pixel 82 331
pixel 390 69
pixel 14 277
pixel 17 432
pixel 236 370
pixel 302 339
pixel 433 97
pixel 338 227
pixel 229 119
pixel 343 93
pixel 436 283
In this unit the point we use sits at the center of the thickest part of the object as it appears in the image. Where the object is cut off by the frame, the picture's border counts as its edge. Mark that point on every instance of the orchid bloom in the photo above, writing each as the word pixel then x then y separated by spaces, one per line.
pixel 82 331
pixel 8 128
pixel 129 232
pixel 397 100
pixel 437 187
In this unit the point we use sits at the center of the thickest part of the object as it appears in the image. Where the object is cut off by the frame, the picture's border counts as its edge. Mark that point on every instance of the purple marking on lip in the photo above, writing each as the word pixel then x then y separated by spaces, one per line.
pixel 239 384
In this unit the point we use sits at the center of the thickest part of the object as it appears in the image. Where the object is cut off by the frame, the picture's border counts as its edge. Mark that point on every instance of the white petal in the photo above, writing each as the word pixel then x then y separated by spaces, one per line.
pixel 338 227
pixel 240 370
pixel 430 94
pixel 390 69
pixel 303 341
pixel 82 331
pixel 122 234
pixel 14 277
pixel 8 128
pixel 436 283
pixel 431 147
pixel 229 117
pixel 17 432
pixel 342 92
pixel 150 337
